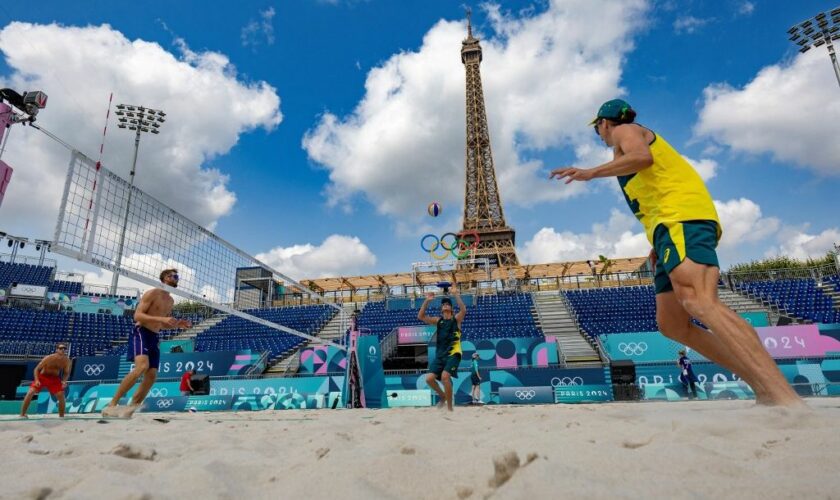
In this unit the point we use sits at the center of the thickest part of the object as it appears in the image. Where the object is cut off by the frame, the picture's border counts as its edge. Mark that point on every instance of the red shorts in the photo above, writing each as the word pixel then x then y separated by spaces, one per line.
pixel 50 382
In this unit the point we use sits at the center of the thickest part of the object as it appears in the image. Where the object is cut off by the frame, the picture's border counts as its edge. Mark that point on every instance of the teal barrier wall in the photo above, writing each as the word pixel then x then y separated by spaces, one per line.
pixel 756 318
pixel 187 345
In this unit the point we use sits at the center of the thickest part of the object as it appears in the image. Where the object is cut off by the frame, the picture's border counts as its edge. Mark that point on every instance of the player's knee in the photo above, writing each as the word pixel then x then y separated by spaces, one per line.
pixel 430 378
pixel 446 377
pixel 671 328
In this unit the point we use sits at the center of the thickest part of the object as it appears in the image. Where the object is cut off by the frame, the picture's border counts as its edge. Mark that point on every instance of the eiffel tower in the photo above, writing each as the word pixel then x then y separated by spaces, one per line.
pixel 483 214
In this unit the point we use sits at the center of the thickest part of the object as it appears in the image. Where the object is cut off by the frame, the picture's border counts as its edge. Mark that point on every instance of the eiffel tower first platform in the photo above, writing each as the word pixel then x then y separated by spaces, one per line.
pixel 483 213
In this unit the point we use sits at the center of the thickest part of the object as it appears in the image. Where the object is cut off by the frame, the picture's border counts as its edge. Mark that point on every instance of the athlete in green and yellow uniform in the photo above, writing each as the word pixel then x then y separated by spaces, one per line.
pixel 670 200
pixel 444 365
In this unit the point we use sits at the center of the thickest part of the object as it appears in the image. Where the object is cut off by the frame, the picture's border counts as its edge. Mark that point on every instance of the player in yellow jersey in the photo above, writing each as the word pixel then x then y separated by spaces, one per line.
pixel 671 201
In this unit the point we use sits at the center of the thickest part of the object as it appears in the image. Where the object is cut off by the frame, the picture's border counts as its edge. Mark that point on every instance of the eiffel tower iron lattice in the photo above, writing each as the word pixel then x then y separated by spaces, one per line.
pixel 483 213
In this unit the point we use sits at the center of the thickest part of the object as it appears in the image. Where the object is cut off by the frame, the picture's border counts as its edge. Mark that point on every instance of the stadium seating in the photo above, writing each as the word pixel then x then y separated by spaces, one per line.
pixel 234 333
pixel 67 287
pixel 799 297
pixel 24 273
pixel 614 310
pixel 87 334
pixel 496 316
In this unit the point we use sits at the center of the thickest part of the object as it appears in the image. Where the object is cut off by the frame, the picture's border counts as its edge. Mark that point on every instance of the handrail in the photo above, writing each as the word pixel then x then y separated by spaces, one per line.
pixel 260 362
pixel 25 259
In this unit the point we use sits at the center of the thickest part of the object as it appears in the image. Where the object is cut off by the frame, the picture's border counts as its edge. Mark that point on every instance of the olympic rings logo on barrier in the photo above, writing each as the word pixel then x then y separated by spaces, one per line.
pixel 562 382
pixel 93 370
pixel 525 395
pixel 159 393
pixel 632 348
pixel 165 403
pixel 458 247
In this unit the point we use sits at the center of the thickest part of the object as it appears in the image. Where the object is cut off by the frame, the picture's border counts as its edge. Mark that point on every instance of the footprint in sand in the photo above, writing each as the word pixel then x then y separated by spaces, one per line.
pixel 463 492
pixel 504 467
pixel 632 445
pixel 134 452
pixel 321 452
pixel 407 450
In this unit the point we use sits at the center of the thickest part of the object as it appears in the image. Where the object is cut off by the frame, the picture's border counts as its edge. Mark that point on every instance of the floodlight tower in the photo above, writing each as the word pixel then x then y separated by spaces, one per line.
pixel 821 29
pixel 139 119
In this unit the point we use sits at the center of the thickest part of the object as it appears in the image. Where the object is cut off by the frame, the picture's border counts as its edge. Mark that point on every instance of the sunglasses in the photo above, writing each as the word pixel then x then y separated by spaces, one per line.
pixel 598 122
pixel 62 348
pixel 175 277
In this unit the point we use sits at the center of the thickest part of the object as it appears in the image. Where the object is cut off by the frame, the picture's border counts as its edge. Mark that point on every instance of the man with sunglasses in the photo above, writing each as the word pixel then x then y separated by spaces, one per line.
pixel 50 374
pixel 152 315
pixel 671 201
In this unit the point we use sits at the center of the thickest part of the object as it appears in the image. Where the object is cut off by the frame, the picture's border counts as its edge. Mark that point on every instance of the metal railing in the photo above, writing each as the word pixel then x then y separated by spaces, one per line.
pixel 23 349
pixel 105 290
pixel 25 259
pixel 259 365
pixel 815 273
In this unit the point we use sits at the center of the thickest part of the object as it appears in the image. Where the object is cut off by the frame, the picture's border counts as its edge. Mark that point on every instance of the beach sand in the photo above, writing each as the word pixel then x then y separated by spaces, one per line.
pixel 718 449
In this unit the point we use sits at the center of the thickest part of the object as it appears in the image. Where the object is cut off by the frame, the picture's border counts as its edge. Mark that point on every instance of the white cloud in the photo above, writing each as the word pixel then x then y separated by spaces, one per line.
pixel 614 239
pixel 690 24
pixel 544 75
pixel 622 236
pixel 797 243
pixel 743 222
pixel 207 108
pixel 746 8
pixel 787 110
pixel 706 167
pixel 336 256
pixel 256 32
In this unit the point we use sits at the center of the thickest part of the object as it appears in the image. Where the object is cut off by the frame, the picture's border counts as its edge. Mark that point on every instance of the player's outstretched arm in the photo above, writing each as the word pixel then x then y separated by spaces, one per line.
pixel 429 320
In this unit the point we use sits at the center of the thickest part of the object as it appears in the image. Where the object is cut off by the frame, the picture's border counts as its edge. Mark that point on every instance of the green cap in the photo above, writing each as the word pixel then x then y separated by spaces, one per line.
pixel 612 110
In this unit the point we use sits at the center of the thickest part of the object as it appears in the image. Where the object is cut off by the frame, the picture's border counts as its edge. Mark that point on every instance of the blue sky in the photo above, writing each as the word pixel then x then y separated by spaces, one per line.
pixel 293 122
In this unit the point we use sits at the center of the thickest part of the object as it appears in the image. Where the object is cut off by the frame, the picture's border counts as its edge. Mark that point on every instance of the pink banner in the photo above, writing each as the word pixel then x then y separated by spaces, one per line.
pixel 414 334
pixel 797 341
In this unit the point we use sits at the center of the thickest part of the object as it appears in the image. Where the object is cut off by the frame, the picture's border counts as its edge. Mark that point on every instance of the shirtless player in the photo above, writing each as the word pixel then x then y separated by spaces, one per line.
pixel 152 316
pixel 46 376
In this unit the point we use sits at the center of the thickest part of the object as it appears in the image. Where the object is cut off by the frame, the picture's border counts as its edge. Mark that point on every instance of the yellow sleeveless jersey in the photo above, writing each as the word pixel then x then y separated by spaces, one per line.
pixel 668 191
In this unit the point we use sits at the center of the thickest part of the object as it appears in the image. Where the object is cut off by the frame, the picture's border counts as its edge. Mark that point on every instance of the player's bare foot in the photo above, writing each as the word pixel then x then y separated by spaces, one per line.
pixel 111 411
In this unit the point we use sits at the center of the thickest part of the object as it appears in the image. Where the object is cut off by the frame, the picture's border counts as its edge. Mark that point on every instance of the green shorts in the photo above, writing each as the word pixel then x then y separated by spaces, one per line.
pixel 674 241
pixel 445 363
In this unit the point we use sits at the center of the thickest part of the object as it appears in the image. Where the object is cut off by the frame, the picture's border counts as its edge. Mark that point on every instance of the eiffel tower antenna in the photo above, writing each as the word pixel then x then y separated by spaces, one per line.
pixel 483 213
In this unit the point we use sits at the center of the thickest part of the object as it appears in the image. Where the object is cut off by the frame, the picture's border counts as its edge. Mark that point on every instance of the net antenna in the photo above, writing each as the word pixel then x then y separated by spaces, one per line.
pixel 90 220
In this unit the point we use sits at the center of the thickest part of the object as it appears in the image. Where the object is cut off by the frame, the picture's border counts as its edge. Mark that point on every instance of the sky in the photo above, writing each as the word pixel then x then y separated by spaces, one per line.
pixel 314 133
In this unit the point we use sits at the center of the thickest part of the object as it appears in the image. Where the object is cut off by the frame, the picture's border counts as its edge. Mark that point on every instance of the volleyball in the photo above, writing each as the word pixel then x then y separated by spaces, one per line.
pixel 434 209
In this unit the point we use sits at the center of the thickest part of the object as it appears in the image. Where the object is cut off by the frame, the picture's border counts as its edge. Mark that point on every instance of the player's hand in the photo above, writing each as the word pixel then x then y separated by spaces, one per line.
pixel 184 324
pixel 171 322
pixel 455 291
pixel 64 384
pixel 37 384
pixel 572 174
pixel 430 295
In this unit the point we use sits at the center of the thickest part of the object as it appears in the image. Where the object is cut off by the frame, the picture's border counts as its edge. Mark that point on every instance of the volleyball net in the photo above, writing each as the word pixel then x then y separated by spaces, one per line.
pixel 97 204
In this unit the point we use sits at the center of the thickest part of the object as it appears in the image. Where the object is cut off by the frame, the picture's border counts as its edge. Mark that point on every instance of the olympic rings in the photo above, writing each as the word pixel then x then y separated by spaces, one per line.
pixel 459 248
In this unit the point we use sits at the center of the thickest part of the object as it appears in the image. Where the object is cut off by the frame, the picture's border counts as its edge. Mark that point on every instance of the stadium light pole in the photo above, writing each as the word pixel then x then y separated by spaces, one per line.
pixel 822 29
pixel 138 119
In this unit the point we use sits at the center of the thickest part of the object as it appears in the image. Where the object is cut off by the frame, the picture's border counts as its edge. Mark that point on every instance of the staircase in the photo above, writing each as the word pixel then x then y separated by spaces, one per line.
pixel 744 299
pixel 193 331
pixel 740 303
pixel 331 331
pixel 829 291
pixel 554 318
